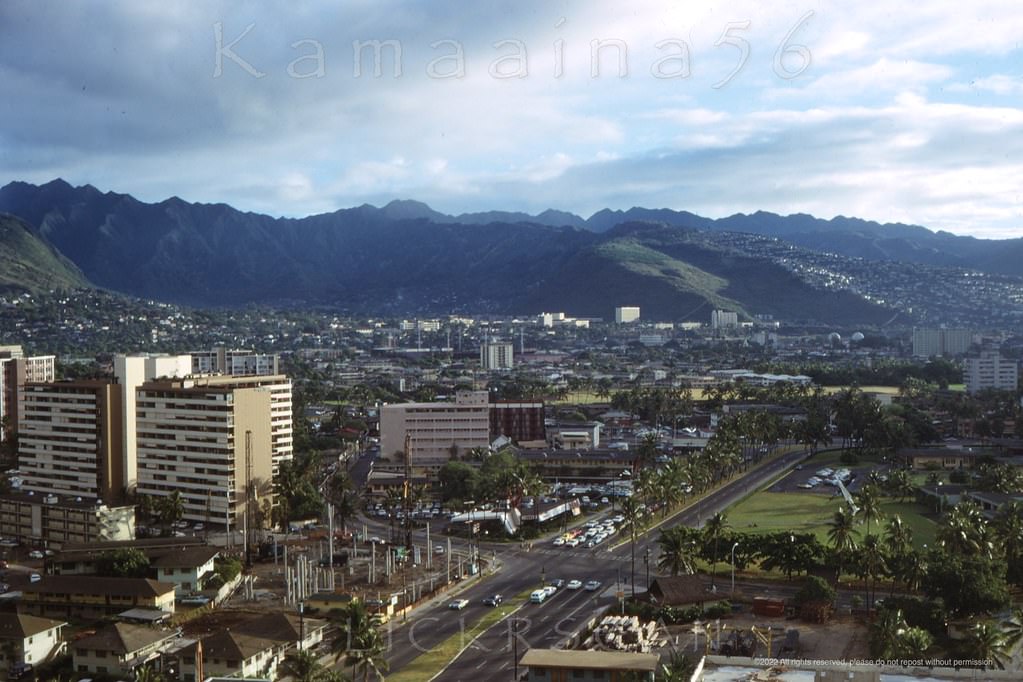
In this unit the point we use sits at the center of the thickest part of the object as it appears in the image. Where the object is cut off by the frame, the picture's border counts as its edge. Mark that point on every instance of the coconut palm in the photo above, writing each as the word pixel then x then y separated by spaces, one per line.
pixel 632 514
pixel 715 528
pixel 677 546
pixel 842 535
pixel 1008 532
pixel 898 546
pixel 987 642
pixel 359 642
pixel 874 563
pixel 964 530
pixel 301 666
pixel 869 503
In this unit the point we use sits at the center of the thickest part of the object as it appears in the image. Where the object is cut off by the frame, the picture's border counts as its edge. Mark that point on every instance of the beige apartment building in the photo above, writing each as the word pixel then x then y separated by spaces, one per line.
pixel 206 438
pixel 435 430
pixel 70 440
pixel 15 371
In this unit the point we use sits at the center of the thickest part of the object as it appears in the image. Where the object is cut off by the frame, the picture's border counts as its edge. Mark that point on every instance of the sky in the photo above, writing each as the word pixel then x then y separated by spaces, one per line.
pixel 895 112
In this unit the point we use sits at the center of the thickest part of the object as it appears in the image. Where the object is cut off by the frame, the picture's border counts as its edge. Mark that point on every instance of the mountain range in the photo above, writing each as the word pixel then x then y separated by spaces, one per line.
pixel 407 258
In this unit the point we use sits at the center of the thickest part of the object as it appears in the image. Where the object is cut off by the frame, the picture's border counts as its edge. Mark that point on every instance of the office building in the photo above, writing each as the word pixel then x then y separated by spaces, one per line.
pixel 724 319
pixel 496 355
pixel 990 370
pixel 15 371
pixel 70 440
pixel 437 431
pixel 220 360
pixel 928 343
pixel 626 314
pixel 209 439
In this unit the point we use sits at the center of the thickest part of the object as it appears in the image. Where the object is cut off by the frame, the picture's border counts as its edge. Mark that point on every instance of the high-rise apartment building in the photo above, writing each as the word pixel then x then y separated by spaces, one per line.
pixel 131 371
pixel 220 360
pixel 15 371
pixel 929 343
pixel 208 440
pixel 496 355
pixel 69 440
pixel 990 370
pixel 626 314
pixel 724 319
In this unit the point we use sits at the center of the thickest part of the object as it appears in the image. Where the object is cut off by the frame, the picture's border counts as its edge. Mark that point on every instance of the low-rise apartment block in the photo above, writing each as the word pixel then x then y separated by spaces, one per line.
pixel 53 521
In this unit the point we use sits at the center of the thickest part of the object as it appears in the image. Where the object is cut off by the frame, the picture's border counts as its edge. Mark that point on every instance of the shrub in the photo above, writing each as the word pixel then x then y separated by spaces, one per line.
pixel 722 608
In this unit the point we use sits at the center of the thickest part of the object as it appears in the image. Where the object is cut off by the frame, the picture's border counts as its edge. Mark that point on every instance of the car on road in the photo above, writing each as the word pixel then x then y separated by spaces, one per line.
pixel 34 578
pixel 438 549
pixel 538 596
pixel 557 583
pixel 36 554
pixel 493 600
pixel 574 542
pixel 559 541
pixel 550 590
pixel 617 518
pixel 592 585
pixel 573 585
pixel 376 540
pixel 458 604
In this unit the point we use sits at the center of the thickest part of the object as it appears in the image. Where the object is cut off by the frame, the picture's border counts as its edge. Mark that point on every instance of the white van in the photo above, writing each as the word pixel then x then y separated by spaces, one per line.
pixel 538 596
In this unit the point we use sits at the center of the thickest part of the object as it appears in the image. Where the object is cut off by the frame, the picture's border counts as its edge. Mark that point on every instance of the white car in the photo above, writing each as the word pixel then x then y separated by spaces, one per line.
pixel 458 604
pixel 550 590
pixel 559 541
pixel 592 585
pixel 573 585
pixel 36 554
pixel 574 542
pixel 618 518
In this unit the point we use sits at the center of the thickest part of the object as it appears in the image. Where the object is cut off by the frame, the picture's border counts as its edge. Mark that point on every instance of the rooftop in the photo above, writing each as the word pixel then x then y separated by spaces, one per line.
pixel 590 660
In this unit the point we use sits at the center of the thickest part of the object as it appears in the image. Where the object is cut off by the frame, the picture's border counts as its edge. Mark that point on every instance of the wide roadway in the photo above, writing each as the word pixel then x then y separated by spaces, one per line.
pixel 544 625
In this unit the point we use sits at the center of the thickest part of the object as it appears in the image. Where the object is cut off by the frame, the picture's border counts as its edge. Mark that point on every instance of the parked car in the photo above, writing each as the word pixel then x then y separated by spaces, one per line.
pixel 438 549
pixel 36 554
pixel 458 604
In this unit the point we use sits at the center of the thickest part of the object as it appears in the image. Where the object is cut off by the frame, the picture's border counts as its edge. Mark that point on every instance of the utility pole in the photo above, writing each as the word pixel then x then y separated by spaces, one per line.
pixel 248 497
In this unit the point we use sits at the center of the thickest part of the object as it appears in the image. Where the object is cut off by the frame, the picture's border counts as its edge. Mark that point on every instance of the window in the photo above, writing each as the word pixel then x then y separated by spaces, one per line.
pixel 232 664
pixel 578 674
pixel 100 654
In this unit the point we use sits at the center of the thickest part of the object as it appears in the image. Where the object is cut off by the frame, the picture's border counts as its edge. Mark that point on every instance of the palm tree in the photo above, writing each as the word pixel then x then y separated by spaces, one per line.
pixel 301 666
pixel 359 642
pixel 898 546
pixel 676 548
pixel 874 560
pixel 988 643
pixel 394 499
pixel 842 534
pixel 342 494
pixel 631 512
pixel 885 633
pixel 869 503
pixel 1008 531
pixel 713 531
pixel 1013 629
pixel 964 530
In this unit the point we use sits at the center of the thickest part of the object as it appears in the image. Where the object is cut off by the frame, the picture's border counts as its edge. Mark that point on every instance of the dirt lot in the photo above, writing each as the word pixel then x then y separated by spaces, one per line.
pixel 842 639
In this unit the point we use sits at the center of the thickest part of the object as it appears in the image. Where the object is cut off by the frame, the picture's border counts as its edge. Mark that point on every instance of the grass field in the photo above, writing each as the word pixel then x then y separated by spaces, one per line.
pixel 766 512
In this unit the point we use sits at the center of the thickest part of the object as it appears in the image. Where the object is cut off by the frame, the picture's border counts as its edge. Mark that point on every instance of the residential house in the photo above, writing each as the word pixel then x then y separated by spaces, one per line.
pixel 27 641
pixel 79 597
pixel 254 647
pixel 119 648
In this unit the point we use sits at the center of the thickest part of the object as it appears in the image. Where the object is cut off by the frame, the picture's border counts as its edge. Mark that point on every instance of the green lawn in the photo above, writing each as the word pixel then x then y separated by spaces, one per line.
pixel 766 512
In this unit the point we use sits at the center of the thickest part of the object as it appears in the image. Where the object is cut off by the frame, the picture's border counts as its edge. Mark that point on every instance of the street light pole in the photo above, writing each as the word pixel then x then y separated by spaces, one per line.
pixel 646 562
pixel 733 569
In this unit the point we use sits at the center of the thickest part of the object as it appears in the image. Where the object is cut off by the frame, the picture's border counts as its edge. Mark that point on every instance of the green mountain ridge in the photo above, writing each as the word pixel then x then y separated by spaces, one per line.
pixel 28 264
pixel 397 261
